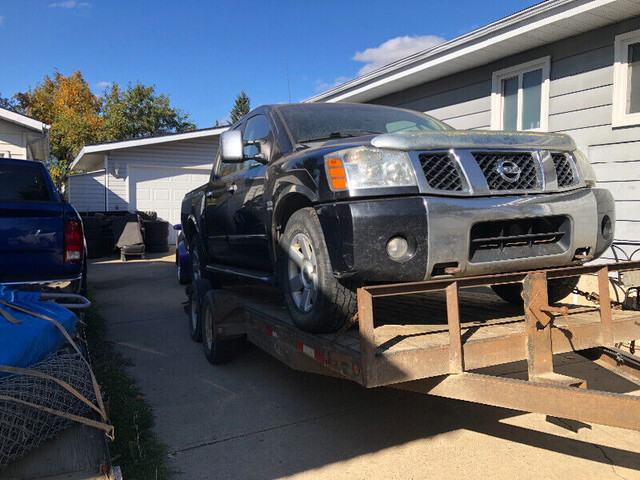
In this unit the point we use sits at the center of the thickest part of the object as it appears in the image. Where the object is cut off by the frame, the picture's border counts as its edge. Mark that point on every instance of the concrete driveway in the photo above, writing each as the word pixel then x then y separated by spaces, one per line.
pixel 257 419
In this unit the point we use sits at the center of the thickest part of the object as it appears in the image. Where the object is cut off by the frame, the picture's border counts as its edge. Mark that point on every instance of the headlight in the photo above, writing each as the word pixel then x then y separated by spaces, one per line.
pixel 585 170
pixel 366 167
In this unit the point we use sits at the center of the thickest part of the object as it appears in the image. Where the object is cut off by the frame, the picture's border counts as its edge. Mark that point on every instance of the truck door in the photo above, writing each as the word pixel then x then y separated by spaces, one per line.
pixel 246 204
pixel 215 214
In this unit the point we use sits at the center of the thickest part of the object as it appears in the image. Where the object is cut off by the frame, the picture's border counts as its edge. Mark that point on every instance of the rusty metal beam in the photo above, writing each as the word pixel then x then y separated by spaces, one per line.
pixel 456 354
pixel 497 279
pixel 617 361
pixel 367 335
pixel 605 307
pixel 537 325
pixel 604 408
pixel 424 363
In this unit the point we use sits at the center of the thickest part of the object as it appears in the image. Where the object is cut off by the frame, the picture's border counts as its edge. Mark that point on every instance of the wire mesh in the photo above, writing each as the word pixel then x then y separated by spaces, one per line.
pixel 22 428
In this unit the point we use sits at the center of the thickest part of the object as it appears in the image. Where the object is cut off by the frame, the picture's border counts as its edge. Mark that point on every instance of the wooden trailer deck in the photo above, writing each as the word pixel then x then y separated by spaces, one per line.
pixel 434 336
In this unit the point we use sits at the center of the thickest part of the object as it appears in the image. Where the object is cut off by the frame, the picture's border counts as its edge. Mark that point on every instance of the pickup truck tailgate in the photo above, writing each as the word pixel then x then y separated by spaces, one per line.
pixel 31 241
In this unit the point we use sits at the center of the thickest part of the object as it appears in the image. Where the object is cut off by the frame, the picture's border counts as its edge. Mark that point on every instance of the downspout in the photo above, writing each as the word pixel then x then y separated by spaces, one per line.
pixel 106 182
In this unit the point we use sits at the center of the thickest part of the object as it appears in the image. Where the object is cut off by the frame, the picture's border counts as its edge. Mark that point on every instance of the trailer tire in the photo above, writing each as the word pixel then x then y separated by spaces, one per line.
pixel 197 291
pixel 331 303
pixel 215 349
pixel 557 289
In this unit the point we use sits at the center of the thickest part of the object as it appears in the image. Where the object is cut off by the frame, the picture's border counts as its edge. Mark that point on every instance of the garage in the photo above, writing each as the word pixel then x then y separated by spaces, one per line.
pixel 145 174
pixel 161 189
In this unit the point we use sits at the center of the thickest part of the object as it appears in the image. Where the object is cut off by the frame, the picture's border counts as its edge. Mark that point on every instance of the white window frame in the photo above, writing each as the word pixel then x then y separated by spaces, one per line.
pixel 518 71
pixel 620 80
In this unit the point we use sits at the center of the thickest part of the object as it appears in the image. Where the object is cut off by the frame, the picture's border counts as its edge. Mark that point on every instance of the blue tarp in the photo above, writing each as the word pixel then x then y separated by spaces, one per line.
pixel 32 340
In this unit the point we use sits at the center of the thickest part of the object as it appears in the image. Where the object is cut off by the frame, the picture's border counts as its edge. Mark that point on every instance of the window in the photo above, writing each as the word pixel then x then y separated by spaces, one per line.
pixel 23 182
pixel 626 80
pixel 256 127
pixel 520 97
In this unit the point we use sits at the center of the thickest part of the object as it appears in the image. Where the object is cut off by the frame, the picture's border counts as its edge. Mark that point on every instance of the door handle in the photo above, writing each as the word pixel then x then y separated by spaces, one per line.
pixel 232 188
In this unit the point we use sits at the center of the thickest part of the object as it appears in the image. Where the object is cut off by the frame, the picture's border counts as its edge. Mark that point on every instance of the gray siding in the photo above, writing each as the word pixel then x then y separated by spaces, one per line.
pixel 580 104
pixel 12 140
pixel 197 152
pixel 86 191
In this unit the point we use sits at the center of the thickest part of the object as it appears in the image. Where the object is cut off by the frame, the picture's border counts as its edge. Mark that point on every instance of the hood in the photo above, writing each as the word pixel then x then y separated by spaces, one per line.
pixel 473 139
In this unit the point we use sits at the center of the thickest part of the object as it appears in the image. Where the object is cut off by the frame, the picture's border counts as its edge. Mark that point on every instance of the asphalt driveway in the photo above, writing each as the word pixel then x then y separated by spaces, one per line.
pixel 257 419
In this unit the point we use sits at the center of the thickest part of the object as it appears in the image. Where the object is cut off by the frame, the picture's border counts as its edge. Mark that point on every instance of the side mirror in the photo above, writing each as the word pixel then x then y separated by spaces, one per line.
pixel 231 146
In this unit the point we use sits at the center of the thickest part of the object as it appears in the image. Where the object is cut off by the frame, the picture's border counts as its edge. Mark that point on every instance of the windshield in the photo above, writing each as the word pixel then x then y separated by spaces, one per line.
pixel 319 121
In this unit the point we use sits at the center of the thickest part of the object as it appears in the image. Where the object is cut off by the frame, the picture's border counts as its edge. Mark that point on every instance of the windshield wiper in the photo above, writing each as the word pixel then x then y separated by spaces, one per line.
pixel 343 134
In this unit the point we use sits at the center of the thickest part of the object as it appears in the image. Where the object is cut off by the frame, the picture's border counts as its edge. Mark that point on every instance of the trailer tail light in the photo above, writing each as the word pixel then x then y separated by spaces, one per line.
pixel 337 174
pixel 73 241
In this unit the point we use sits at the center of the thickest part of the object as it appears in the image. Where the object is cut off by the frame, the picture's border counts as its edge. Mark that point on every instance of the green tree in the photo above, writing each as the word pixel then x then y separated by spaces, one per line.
pixel 67 104
pixel 7 103
pixel 138 111
pixel 241 107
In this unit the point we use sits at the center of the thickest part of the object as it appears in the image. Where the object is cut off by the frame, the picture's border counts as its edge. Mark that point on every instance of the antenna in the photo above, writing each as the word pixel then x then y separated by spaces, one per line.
pixel 286 67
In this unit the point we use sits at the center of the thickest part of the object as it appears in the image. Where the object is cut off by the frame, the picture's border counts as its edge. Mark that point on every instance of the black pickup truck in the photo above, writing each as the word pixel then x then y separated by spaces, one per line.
pixel 322 198
pixel 41 236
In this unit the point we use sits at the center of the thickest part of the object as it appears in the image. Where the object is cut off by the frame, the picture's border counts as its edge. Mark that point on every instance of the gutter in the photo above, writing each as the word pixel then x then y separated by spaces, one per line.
pixel 536 13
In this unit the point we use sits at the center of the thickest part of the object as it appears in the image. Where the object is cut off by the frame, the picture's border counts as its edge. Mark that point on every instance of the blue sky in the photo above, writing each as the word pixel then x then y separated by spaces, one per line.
pixel 202 53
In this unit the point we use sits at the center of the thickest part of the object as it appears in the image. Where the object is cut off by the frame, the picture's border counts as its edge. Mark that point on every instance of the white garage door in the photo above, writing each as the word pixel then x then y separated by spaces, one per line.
pixel 161 189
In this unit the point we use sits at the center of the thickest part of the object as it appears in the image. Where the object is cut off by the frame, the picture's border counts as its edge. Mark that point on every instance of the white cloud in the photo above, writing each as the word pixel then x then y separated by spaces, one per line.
pixel 69 4
pixel 320 85
pixel 394 49
pixel 102 85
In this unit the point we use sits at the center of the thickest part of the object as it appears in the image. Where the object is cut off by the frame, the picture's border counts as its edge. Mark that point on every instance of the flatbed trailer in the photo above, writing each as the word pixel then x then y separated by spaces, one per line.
pixel 433 337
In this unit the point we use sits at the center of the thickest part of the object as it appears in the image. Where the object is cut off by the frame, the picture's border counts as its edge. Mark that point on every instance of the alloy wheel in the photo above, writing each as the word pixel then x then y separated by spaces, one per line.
pixel 303 272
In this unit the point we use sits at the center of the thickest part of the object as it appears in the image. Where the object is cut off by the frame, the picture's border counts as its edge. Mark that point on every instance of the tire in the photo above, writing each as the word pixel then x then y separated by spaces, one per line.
pixel 197 259
pixel 215 349
pixel 182 278
pixel 317 301
pixel 182 270
pixel 198 264
pixel 157 248
pixel 147 216
pixel 156 229
pixel 197 291
pixel 557 289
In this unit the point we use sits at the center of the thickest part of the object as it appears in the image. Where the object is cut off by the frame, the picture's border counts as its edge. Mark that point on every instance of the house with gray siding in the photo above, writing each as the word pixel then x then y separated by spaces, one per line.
pixel 145 174
pixel 570 66
pixel 23 137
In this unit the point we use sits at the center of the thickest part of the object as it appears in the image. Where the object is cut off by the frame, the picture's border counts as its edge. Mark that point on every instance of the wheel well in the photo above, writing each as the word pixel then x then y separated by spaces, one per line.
pixel 189 230
pixel 287 207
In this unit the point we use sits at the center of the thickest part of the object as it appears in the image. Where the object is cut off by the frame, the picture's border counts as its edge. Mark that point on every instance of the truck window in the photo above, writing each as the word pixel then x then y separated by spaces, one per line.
pixel 257 127
pixel 23 183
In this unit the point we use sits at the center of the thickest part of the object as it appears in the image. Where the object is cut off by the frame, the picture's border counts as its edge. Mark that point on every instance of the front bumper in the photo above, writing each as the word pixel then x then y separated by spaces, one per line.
pixel 357 232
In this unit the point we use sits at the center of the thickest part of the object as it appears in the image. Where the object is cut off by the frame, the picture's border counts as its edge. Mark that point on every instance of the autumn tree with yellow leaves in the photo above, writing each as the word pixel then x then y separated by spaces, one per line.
pixel 78 117
pixel 67 104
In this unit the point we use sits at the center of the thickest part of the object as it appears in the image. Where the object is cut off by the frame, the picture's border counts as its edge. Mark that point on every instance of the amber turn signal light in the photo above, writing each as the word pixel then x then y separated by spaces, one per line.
pixel 337 174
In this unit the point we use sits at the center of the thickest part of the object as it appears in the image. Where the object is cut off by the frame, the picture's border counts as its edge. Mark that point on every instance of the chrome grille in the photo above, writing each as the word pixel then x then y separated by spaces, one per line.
pixel 493 163
pixel 441 171
pixel 564 172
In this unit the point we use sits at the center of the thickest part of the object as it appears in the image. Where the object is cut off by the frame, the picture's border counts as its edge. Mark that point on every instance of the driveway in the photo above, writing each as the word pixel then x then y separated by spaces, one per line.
pixel 257 419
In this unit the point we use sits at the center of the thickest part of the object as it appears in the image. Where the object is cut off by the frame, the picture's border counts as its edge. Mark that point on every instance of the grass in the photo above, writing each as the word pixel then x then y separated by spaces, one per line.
pixel 136 449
